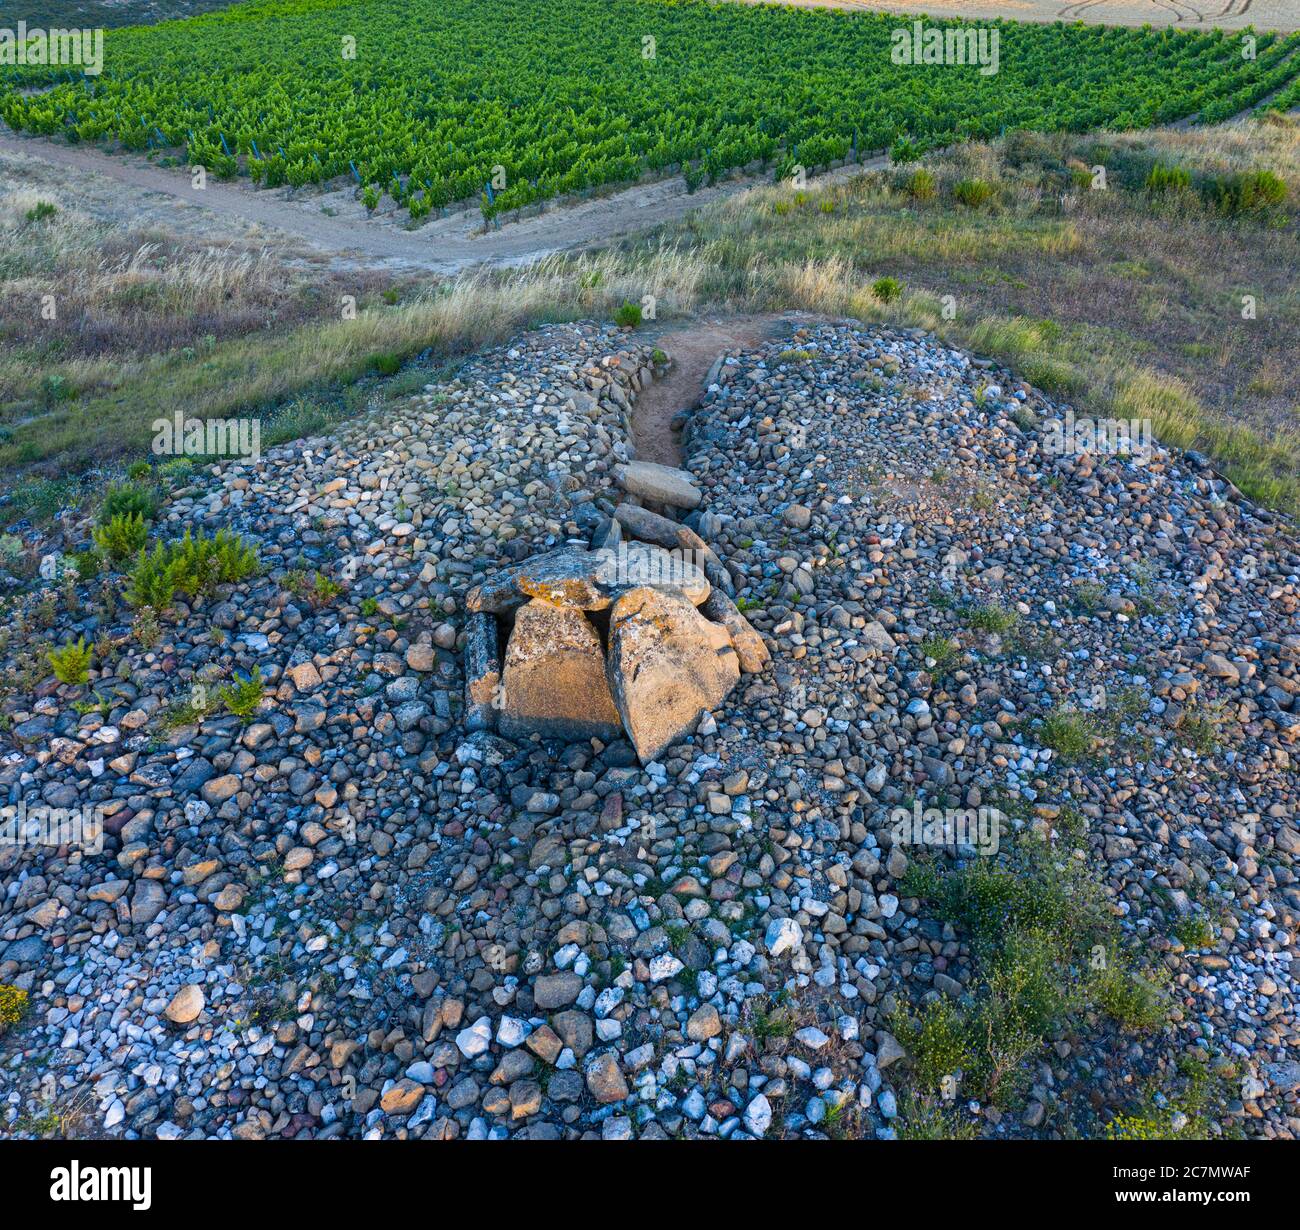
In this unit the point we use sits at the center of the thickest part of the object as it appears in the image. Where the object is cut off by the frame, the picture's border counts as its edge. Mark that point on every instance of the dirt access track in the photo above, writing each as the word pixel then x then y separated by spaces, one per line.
pixel 1190 14
pixel 334 223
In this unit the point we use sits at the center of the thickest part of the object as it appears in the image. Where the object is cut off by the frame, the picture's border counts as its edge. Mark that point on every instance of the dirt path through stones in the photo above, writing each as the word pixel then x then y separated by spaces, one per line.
pixel 693 350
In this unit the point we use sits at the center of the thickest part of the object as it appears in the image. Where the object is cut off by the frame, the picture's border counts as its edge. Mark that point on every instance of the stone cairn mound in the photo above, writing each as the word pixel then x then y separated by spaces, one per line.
pixel 636 632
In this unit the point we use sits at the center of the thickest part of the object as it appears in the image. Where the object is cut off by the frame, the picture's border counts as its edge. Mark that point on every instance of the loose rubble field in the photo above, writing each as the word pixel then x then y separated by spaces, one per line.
pixel 347 915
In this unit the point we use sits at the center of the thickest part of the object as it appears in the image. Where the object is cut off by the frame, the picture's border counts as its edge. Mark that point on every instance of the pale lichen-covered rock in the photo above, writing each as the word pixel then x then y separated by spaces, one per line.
pixel 667 666
pixel 553 681
pixel 636 564
pixel 750 648
pixel 568 577
pixel 667 485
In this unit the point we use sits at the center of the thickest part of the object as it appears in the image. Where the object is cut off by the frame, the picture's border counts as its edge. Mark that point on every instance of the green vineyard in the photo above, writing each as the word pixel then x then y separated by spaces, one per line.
pixel 516 101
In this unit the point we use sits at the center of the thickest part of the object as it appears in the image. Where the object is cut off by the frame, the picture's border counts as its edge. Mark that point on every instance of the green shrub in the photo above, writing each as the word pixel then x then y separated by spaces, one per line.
pixel 1164 178
pixel 1194 931
pixel 41 211
pixel 152 582
pixel 1245 191
pixel 243 698
pixel 57 388
pixel 992 617
pixel 125 499
pixel 139 471
pixel 315 588
pixel 1128 996
pixel 199 564
pixel 1044 938
pixel 1137 1127
pixel 121 537
pixel 629 315
pixel 887 289
pixel 195 566
pixel 1027 888
pixel 176 468
pixel 921 185
pixel 925 1118
pixel 937 1042
pixel 370 198
pixel 904 149
pixel 1070 734
pixel 71 663
pixel 972 192
pixel 944 651
pixel 87 564
pixel 386 364
pixel 12 551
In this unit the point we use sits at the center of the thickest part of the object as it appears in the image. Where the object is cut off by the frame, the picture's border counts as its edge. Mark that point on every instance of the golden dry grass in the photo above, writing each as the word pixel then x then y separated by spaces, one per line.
pixel 1118 301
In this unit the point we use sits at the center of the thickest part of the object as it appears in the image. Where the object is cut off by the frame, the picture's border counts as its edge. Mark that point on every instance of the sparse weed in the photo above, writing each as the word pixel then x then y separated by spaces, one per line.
pixel 71 662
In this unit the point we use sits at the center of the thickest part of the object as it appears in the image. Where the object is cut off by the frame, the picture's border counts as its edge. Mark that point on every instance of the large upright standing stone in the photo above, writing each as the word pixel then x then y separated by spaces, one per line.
pixel 482 671
pixel 553 681
pixel 667 666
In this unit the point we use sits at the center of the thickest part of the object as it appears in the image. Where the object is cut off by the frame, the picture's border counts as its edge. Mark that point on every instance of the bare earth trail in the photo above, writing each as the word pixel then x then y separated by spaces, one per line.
pixel 693 349
pixel 446 245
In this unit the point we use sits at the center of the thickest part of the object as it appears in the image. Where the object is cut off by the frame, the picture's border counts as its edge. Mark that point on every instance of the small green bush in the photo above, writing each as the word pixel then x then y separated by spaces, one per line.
pixel 1129 997
pixel 972 192
pixel 56 388
pixel 887 289
pixel 41 211
pixel 195 566
pixel 921 185
pixel 992 617
pixel 121 537
pixel 1164 178
pixel 1194 931
pixel 199 564
pixel 12 551
pixel 126 499
pixel 386 364
pixel 176 468
pixel 152 583
pixel 904 149
pixel 139 471
pixel 243 698
pixel 1070 734
pixel 629 315
pixel 71 663
pixel 1245 191
pixel 943 650
pixel 937 1043
pixel 87 564
pixel 315 588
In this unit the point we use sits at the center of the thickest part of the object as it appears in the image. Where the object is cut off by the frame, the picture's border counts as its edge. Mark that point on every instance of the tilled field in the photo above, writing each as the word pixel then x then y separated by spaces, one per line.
pixel 1183 14
pixel 347 916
